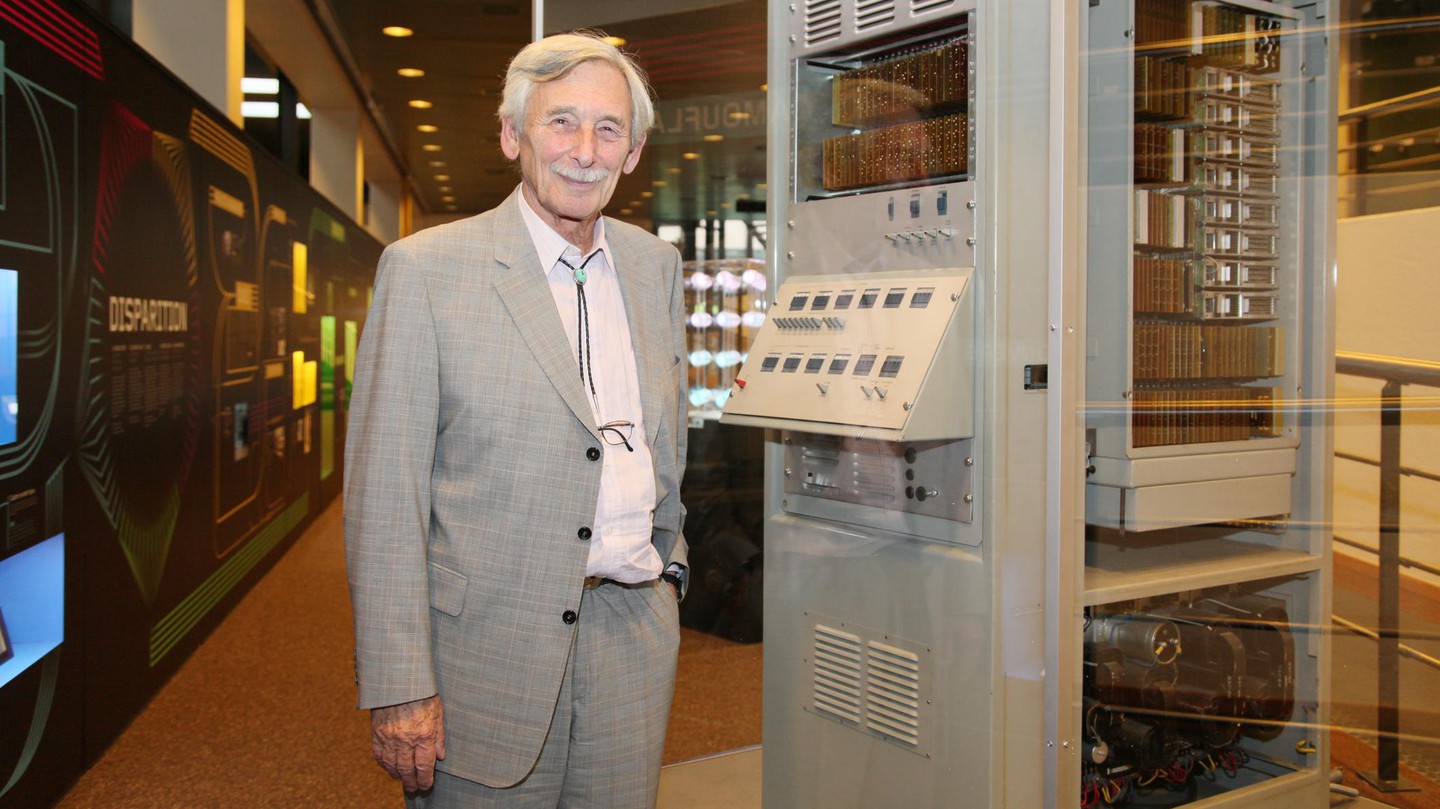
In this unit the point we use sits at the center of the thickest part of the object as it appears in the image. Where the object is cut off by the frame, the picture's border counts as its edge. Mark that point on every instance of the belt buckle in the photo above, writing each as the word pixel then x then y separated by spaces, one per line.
pixel 591 582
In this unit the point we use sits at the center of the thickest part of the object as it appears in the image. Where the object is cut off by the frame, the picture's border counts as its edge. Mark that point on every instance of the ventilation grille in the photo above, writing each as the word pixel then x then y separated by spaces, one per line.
pixel 872 682
pixel 927 6
pixel 822 21
pixel 871 14
pixel 837 673
pixel 892 685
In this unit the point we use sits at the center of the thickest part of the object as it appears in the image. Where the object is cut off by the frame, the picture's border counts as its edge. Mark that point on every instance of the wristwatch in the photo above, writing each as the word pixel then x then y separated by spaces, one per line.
pixel 678 576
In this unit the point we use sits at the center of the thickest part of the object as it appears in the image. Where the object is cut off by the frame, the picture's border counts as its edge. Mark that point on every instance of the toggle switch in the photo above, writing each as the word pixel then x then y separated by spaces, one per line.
pixel 879 391
pixel 824 387
pixel 866 391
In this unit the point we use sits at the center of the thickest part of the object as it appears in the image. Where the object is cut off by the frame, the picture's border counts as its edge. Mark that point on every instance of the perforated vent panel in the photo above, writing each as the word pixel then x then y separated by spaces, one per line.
pixel 822 21
pixel 871 14
pixel 892 685
pixel 837 685
pixel 872 682
pixel 927 6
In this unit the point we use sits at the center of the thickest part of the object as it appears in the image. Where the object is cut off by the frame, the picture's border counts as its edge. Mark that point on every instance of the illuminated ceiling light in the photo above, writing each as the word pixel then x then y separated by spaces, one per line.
pixel 431 147
pixel 618 42
pixel 761 186
pixel 712 213
pixel 445 188
pixel 396 31
pixel 690 155
pixel 451 208
pixel 765 88
pixel 428 128
pixel 673 170
pixel 708 138
pixel 739 115
pixel 260 109
pixel 420 104
pixel 302 112
pixel 437 164
pixel 251 85
pixel 724 205
pixel 658 183
pixel 626 211
pixel 647 194
pixel 442 177
pixel 447 199
pixel 411 72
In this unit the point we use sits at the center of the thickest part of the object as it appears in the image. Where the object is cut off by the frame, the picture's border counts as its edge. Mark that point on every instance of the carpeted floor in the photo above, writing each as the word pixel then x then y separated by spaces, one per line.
pixel 261 715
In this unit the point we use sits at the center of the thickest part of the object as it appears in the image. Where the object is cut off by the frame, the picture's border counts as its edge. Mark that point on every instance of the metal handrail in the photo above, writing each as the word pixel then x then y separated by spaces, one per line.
pixel 1409 101
pixel 1395 372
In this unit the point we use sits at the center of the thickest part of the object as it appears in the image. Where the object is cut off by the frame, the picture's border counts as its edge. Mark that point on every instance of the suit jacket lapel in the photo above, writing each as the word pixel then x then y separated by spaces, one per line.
pixel 640 287
pixel 526 294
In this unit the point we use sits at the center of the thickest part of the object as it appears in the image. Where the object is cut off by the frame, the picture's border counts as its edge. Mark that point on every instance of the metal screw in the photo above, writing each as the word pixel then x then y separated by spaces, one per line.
pixel 907 405
pixel 954 296
pixel 787 471
pixel 792 38
pixel 969 461
pixel 970 205
pixel 790 224
pixel 789 253
pixel 1129 34
pixel 969 498
pixel 970 240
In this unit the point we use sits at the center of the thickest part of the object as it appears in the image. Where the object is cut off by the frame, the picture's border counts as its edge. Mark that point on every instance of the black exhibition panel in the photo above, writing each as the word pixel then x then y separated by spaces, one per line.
pixel 178 316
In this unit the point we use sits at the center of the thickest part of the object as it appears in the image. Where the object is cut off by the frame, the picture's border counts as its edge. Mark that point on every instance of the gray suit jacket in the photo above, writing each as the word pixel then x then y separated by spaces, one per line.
pixel 471 467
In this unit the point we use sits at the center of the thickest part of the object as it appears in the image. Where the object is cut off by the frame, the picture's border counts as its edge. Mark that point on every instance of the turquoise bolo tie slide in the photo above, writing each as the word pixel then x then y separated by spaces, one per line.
pixel 579 275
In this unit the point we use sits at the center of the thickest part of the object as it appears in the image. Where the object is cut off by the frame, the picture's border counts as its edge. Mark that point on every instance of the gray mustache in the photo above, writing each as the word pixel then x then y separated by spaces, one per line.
pixel 594 174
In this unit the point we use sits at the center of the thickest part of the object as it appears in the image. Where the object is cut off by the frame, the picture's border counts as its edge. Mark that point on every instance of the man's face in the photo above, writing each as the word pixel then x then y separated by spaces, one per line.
pixel 573 144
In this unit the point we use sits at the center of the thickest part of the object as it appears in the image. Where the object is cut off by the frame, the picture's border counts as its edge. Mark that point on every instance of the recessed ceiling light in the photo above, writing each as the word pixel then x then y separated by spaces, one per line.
pixel 251 85
pixel 451 208
pixel 447 199
pixel 712 213
pixel 420 104
pixel 428 128
pixel 739 115
pixel 411 72
pixel 761 186
pixel 302 112
pixel 673 170
pixel 626 211
pixel 437 164
pixel 445 188
pixel 724 205
pixel 658 183
pixel 442 177
pixel 708 138
pixel 260 109
pixel 396 31
pixel 647 194
pixel 431 147
pixel 618 42
pixel 690 155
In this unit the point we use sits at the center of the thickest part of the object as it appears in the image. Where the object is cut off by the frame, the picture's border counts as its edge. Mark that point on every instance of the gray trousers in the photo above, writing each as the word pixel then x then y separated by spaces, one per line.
pixel 607 737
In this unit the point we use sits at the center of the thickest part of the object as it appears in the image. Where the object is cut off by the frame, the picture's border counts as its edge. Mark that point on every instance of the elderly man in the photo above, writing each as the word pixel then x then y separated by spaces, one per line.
pixel 517 439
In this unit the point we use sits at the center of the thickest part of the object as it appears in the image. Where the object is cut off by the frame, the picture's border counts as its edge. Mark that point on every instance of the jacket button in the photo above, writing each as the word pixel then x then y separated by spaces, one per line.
pixel 584 533
pixel 569 616
pixel 593 453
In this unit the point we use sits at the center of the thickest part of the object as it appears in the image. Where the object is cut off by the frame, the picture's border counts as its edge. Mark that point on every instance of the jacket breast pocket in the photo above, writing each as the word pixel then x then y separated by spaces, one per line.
pixel 447 590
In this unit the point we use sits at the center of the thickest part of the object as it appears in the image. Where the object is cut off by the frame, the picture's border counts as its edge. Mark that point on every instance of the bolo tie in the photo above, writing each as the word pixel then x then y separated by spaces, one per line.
pixel 582 321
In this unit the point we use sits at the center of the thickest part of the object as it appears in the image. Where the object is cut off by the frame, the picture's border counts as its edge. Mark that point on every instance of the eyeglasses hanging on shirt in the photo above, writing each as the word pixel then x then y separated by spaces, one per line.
pixel 582 348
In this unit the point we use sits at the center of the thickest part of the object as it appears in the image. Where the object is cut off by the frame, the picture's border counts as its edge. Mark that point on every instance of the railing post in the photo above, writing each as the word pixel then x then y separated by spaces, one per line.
pixel 1386 778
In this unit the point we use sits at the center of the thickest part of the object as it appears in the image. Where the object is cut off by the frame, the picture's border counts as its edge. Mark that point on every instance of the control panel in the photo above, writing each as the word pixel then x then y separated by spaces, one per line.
pixel 869 355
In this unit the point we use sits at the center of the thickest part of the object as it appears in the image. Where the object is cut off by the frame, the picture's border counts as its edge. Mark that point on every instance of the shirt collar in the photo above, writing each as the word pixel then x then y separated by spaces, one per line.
pixel 551 246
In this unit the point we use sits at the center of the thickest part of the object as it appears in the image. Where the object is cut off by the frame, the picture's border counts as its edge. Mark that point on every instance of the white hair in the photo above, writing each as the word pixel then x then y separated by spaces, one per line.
pixel 554 57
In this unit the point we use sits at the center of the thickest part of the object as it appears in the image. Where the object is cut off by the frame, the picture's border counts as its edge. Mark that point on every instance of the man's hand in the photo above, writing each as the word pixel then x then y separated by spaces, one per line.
pixel 407 739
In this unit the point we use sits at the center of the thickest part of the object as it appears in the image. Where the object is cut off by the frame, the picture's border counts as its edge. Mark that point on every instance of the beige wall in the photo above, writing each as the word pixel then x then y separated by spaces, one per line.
pixel 1389 292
